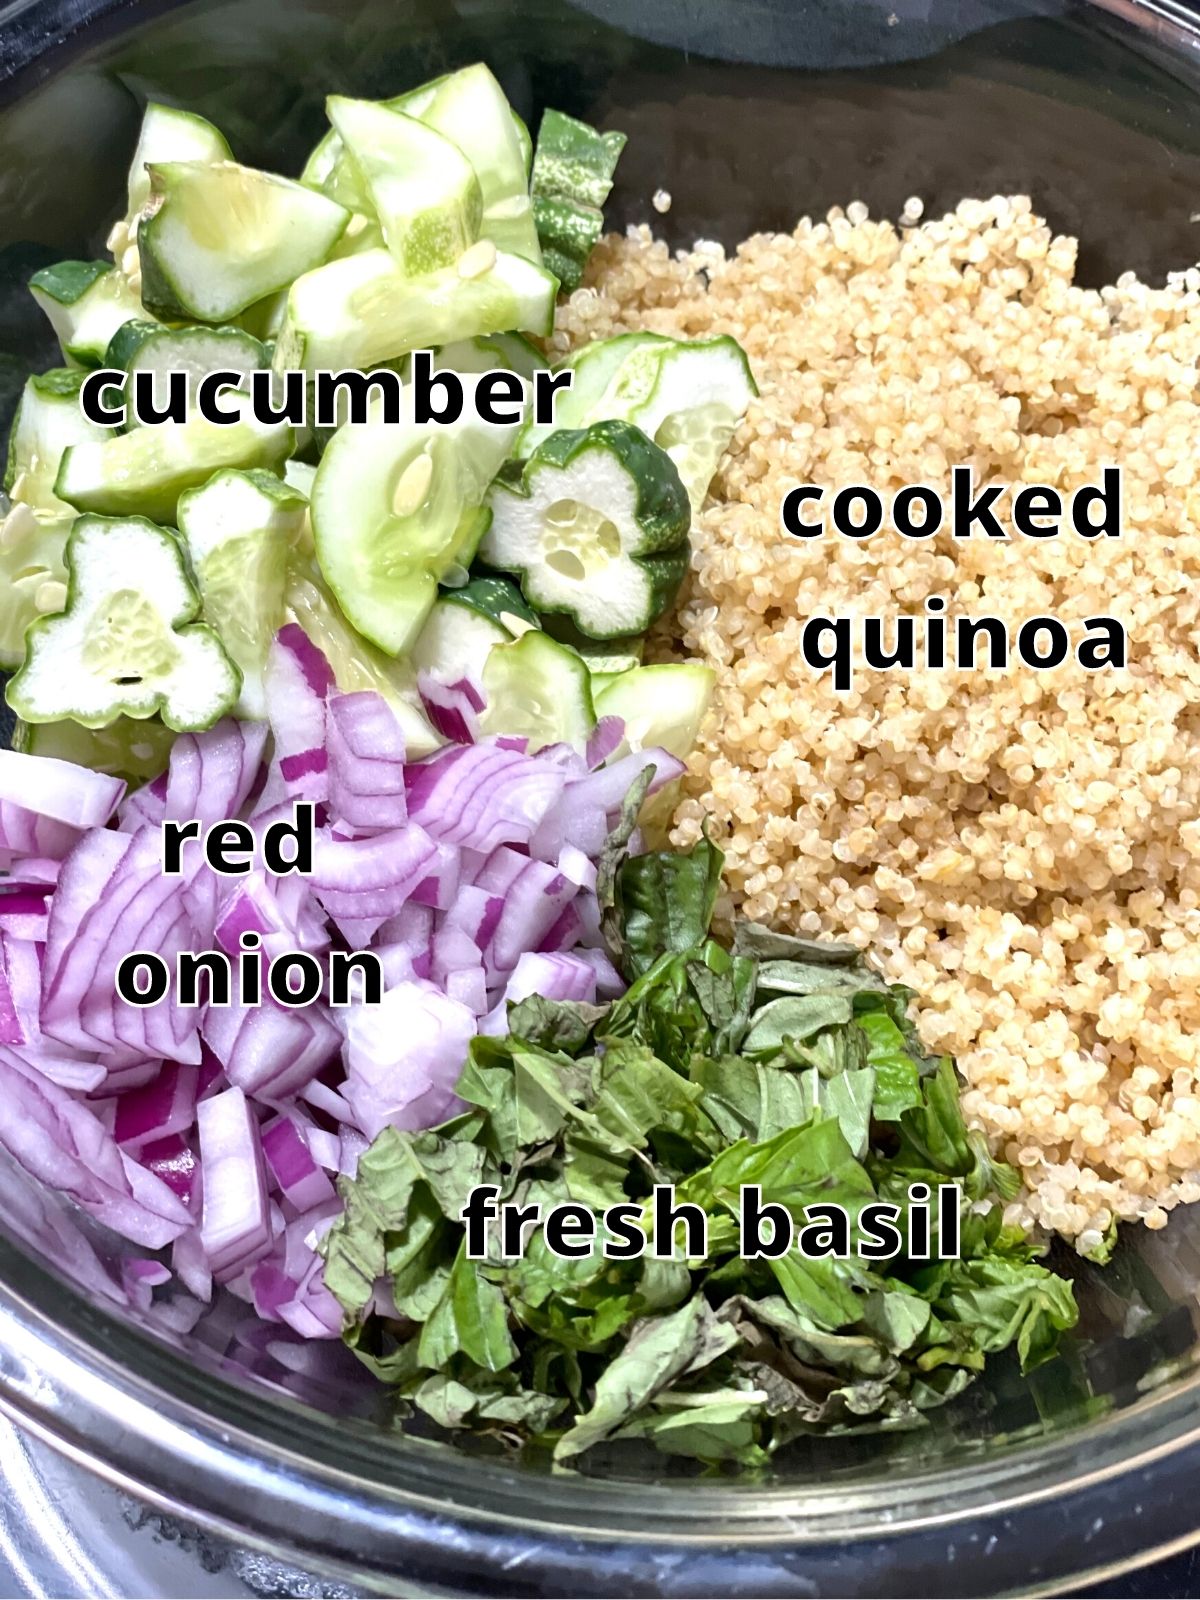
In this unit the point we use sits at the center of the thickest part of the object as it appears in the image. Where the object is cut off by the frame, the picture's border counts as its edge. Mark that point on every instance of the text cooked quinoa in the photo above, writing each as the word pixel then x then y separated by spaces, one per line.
pixel 1021 847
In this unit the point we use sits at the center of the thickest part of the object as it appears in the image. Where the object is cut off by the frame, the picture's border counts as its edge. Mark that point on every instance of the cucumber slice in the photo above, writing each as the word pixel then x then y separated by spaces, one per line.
pixel 470 109
pixel 127 643
pixel 48 421
pixel 143 472
pixel 597 529
pixel 572 176
pixel 594 368
pixel 33 573
pixel 698 399
pixel 420 185
pixel 149 347
pixel 395 508
pixel 464 625
pixel 239 530
pixel 689 398
pixel 539 688
pixel 214 238
pixel 169 135
pixel 299 475
pixel 86 302
pixel 363 310
pixel 356 663
pixel 660 706
pixel 135 751
pixel 607 664
pixel 491 352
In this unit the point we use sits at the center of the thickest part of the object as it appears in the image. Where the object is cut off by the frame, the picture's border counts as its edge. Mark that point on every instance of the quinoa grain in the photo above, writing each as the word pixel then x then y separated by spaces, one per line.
pixel 1023 848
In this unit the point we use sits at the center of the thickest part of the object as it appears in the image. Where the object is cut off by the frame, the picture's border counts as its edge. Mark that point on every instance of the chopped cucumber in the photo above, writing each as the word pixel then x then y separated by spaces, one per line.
pixel 593 368
pixel 540 688
pixel 86 302
pixel 214 238
pixel 470 109
pixel 143 473
pixel 660 706
pixel 362 310
pixel 573 169
pixel 134 750
pixel 33 573
pixel 127 643
pixel 420 185
pixel 239 529
pixel 491 352
pixel 48 421
pixel 394 510
pixel 169 135
pixel 688 397
pixel 149 347
pixel 603 661
pixel 596 530
pixel 299 475
pixel 464 625
pixel 698 399
pixel 356 663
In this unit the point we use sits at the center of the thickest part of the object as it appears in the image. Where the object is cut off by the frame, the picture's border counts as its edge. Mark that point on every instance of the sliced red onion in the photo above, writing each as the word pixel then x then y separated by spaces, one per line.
pixel 532 906
pixel 211 774
pixel 482 796
pixel 235 1224
pixel 604 739
pixel 404 1056
pixel 58 791
pixel 366 763
pixel 453 708
pixel 60 1141
pixel 173 1159
pixel 370 877
pixel 145 807
pixel 190 1263
pixel 293 1166
pixel 297 681
pixel 164 1107
pixel 609 983
pixel 468 985
pixel 577 866
pixel 28 833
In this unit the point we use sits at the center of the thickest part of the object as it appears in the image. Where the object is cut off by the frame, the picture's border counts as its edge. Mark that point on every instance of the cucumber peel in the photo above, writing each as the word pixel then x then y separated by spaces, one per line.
pixel 239 529
pixel 127 642
pixel 596 529
pixel 420 186
pixel 572 177
pixel 215 237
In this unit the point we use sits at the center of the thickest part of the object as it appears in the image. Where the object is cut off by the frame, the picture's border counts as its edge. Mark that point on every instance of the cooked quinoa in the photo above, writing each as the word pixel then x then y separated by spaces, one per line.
pixel 1021 847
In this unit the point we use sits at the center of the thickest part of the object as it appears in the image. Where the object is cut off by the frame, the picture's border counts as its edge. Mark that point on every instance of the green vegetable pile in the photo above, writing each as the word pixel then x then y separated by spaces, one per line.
pixel 782 1063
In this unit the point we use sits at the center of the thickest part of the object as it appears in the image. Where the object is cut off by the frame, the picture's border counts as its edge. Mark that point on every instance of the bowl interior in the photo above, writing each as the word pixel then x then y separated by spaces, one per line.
pixel 750 116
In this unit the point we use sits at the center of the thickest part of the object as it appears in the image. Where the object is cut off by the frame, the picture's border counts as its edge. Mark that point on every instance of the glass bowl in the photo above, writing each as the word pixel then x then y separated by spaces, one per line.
pixel 750 114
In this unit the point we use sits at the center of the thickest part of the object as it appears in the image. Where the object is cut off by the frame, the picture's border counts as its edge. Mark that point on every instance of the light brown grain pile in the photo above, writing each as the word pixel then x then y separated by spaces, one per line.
pixel 1023 848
